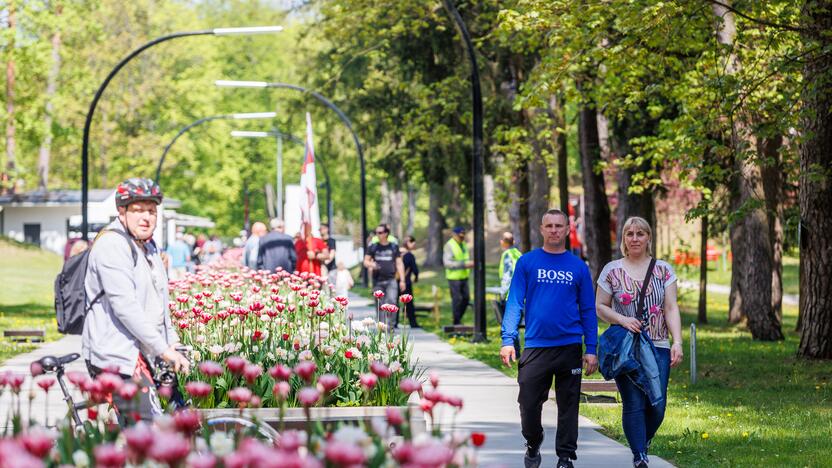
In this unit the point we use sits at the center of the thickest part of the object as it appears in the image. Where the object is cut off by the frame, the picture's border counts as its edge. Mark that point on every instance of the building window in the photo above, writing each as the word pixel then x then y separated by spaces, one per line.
pixel 31 233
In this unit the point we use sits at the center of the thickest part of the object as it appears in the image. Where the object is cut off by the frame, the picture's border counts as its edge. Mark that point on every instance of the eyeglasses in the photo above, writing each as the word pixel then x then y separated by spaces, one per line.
pixel 381 232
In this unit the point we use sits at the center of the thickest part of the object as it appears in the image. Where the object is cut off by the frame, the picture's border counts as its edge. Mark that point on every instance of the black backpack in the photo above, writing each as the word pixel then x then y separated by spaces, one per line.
pixel 70 293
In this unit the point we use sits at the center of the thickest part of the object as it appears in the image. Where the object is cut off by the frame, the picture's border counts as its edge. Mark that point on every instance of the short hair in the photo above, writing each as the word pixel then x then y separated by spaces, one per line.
pixel 410 239
pixel 276 223
pixel 641 223
pixel 508 237
pixel 385 227
pixel 555 211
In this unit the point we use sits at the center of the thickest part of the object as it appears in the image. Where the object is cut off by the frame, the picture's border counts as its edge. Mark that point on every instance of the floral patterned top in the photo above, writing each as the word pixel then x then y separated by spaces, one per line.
pixel 615 281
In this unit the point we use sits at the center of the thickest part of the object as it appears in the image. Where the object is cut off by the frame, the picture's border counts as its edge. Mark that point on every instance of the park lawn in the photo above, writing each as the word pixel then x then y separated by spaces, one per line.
pixel 718 275
pixel 754 403
pixel 27 274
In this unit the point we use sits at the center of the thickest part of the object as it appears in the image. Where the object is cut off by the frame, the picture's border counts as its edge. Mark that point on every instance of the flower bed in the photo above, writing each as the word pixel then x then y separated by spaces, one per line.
pixel 274 332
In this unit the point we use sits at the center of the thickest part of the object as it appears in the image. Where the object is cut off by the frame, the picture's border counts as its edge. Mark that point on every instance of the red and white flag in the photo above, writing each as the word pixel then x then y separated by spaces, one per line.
pixel 310 214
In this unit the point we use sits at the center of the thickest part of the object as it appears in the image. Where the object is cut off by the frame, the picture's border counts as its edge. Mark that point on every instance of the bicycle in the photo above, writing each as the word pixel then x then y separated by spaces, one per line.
pixel 164 376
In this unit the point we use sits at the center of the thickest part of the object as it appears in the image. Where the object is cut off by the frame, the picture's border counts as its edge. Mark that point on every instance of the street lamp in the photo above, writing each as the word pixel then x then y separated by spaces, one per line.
pixel 279 136
pixel 239 116
pixel 346 121
pixel 88 122
pixel 477 173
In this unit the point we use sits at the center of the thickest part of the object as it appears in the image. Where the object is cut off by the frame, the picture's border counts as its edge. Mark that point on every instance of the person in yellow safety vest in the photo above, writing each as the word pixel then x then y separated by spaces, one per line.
pixel 507 261
pixel 458 264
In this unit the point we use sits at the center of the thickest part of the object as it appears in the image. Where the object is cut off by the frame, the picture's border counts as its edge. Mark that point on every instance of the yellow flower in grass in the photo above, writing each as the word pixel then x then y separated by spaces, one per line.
pixel 705 435
pixel 745 434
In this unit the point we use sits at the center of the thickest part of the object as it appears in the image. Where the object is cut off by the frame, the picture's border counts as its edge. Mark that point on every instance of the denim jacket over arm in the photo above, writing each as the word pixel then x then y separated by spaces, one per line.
pixel 624 353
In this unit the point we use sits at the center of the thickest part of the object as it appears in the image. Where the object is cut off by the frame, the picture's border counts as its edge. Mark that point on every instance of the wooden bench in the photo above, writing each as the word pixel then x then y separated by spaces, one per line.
pixel 433 308
pixel 593 386
pixel 458 330
pixel 33 336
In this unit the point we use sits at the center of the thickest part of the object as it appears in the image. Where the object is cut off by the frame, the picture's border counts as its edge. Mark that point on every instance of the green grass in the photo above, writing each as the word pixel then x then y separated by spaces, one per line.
pixel 26 298
pixel 754 404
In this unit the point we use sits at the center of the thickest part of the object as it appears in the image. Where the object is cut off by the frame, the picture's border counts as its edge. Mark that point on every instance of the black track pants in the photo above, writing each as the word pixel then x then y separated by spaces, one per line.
pixel 536 367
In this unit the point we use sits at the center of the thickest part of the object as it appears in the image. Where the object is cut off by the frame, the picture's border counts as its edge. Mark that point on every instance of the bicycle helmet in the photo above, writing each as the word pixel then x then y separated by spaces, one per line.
pixel 138 189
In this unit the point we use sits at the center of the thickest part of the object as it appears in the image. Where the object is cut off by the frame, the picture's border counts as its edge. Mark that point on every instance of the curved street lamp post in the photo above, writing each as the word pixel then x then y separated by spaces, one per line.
pixel 347 123
pixel 112 74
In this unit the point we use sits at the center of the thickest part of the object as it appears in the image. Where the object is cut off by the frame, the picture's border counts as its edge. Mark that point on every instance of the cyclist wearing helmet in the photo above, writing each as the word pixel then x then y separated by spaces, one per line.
pixel 128 327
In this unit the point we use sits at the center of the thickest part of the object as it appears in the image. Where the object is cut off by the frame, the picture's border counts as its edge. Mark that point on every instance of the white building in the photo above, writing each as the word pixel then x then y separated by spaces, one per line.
pixel 50 218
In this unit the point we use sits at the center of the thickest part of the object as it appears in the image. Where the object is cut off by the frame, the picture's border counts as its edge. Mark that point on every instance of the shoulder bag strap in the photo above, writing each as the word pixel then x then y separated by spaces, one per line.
pixel 644 284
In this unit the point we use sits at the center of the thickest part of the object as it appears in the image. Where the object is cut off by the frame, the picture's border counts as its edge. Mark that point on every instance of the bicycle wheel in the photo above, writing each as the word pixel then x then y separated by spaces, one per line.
pixel 235 423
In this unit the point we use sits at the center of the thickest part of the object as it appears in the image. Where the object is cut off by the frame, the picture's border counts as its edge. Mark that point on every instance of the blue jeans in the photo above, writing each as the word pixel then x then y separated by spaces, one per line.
pixel 640 420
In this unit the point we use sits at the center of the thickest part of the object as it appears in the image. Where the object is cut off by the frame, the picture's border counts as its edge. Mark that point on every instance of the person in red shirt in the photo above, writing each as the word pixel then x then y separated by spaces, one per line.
pixel 300 249
pixel 316 252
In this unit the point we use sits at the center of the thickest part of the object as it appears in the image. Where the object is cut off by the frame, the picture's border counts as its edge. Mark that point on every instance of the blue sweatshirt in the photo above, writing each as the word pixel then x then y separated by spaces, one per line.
pixel 557 294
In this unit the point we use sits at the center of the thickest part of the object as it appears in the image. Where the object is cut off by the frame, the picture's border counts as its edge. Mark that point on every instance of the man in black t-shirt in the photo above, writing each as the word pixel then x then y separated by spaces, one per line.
pixel 384 261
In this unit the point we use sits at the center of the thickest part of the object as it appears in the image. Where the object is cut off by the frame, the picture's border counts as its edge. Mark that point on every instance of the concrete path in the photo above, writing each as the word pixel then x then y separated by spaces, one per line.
pixel 20 364
pixel 490 406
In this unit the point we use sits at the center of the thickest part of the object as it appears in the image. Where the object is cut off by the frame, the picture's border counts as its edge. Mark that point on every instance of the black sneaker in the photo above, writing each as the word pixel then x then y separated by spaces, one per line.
pixel 640 461
pixel 564 462
pixel 532 458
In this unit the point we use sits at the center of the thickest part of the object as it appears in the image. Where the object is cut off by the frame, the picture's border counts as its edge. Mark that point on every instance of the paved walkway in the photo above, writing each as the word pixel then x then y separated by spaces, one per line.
pixel 490 406
pixel 788 299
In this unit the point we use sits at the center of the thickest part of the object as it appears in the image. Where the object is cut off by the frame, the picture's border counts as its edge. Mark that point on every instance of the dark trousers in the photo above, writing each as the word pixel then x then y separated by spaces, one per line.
pixel 390 288
pixel 410 308
pixel 536 368
pixel 459 298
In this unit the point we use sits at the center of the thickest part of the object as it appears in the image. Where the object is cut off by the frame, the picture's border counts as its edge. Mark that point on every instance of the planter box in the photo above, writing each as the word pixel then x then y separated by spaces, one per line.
pixel 330 417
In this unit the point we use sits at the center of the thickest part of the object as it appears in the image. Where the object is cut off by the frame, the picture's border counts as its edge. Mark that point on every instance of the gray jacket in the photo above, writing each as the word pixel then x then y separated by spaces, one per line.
pixel 132 315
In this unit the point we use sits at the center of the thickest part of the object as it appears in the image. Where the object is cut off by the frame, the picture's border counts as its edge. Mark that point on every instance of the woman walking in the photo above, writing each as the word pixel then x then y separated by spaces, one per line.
pixel 620 286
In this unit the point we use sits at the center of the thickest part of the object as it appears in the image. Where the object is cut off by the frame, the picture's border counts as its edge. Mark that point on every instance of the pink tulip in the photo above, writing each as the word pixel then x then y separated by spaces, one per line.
pixel 432 453
pixel 454 401
pixel 410 385
pixel 205 460
pixel 368 381
pixel 139 438
pixel 35 368
pixel 198 389
pixel 292 440
pixel 15 381
pixel 434 379
pixel 281 390
pixel 251 372
pixel 109 456
pixel 380 369
pixel 378 294
pixel 329 382
pixel 240 395
pixel 235 364
pixel 238 459
pixel 403 453
pixel 405 298
pixel 37 442
pixel 128 391
pixel 210 369
pixel 187 421
pixel 344 454
pixel 306 369
pixel 109 382
pixel 255 401
pixel 46 383
pixel 170 449
pixel 394 416
pixel 309 396
pixel 77 378
pixel 280 372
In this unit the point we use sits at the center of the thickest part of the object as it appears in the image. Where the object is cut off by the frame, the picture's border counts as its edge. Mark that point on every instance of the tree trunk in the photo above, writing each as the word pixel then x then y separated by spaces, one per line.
pixel 597 242
pixel 816 187
pixel 539 186
pixel 433 251
pixel 396 210
pixel 736 312
pixel 44 153
pixel 557 114
pixel 702 312
pixel 11 162
pixel 519 210
pixel 411 208
pixel 492 221
pixel 384 192
pixel 772 171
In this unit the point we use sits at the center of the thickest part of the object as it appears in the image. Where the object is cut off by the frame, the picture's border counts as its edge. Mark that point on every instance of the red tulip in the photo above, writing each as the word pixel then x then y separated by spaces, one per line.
pixel 187 421
pixel 139 438
pixel 128 391
pixel 170 449
pixel 251 372
pixel 380 369
pixel 210 368
pixel 291 440
pixel 280 372
pixel 344 454
pixel 109 382
pixel 198 389
pixel 394 416
pixel 378 294
pixel 77 378
pixel 281 390
pixel 240 395
pixel 368 381
pixel 306 369
pixel 46 383
pixel 35 368
pixel 38 443
pixel 235 364
pixel 92 413
pixel 478 439
pixel 434 379
pixel 308 396
pixel 329 382
pixel 454 401
pixel 405 298
pixel 15 381
pixel 109 456
pixel 426 406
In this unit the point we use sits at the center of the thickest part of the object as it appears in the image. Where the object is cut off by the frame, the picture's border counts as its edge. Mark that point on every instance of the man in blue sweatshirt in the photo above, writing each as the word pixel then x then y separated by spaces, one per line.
pixel 555 289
